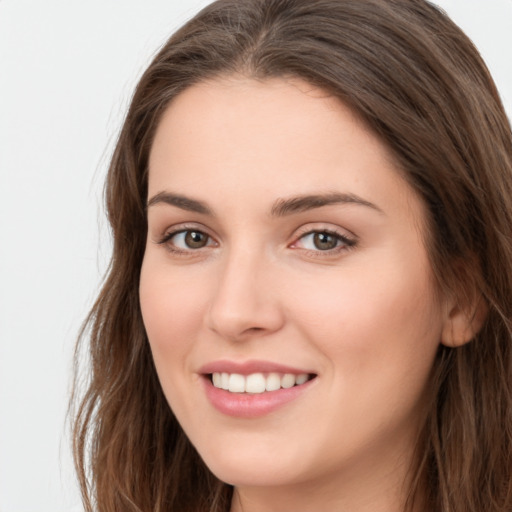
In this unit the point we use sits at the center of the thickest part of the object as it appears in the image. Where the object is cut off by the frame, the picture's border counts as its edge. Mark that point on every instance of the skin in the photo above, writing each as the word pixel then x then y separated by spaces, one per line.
pixel 365 318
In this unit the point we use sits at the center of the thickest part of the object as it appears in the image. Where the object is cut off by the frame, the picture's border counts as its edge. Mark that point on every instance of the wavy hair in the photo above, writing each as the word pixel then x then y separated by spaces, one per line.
pixel 418 82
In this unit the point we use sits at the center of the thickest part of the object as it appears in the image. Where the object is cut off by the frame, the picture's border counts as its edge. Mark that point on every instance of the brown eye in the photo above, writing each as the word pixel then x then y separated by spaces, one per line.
pixel 186 240
pixel 195 239
pixel 325 241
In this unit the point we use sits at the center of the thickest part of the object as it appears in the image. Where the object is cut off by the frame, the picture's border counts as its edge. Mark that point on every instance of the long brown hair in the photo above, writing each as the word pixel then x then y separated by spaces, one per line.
pixel 421 86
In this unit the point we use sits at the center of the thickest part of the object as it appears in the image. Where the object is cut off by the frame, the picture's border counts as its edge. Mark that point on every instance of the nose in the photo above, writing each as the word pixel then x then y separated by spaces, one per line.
pixel 245 300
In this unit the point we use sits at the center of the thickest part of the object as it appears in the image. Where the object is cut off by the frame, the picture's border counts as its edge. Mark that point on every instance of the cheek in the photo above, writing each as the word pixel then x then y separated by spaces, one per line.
pixel 374 325
pixel 171 311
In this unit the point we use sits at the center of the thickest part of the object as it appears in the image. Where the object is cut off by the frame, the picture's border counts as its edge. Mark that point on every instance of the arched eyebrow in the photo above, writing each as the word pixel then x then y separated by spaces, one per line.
pixel 283 207
pixel 180 201
pixel 280 208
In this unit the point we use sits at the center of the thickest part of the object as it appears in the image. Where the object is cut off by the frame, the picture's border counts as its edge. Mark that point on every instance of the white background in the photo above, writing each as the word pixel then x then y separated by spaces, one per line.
pixel 67 70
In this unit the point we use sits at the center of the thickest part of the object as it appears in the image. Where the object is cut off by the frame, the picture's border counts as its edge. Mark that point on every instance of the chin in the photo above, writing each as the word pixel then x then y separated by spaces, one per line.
pixel 259 467
pixel 247 475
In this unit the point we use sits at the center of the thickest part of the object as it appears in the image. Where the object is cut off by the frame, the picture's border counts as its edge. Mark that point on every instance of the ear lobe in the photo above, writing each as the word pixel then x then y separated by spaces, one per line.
pixel 463 323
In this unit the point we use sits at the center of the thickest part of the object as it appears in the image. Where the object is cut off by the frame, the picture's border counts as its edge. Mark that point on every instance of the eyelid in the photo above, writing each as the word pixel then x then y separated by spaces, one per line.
pixel 173 231
pixel 321 227
pixel 348 239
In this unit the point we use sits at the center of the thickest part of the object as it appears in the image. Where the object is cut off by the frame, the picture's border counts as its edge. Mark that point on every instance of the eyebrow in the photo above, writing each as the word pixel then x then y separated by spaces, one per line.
pixel 183 202
pixel 281 208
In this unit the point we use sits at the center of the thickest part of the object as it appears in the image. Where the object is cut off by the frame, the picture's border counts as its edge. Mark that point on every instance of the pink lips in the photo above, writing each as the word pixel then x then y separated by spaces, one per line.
pixel 247 405
pixel 248 367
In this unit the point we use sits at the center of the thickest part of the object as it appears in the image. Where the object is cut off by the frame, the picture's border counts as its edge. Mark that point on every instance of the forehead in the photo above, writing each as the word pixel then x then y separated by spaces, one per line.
pixel 275 137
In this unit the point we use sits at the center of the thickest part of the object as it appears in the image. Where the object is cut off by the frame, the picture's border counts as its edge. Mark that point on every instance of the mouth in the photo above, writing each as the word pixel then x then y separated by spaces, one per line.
pixel 257 383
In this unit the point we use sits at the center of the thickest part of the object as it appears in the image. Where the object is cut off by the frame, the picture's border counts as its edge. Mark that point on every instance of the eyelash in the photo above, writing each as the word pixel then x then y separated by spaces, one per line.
pixel 344 243
pixel 166 240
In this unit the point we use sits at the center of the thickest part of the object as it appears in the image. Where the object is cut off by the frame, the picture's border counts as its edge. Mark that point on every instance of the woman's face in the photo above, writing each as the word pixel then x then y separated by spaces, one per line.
pixel 284 249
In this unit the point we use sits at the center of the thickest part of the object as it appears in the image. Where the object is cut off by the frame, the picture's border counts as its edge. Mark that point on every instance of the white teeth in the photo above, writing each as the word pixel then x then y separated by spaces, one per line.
pixel 303 377
pixel 217 380
pixel 288 381
pixel 236 383
pixel 273 382
pixel 257 382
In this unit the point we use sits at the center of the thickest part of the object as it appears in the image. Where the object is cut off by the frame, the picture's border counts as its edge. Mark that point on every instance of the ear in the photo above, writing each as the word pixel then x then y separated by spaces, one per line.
pixel 463 321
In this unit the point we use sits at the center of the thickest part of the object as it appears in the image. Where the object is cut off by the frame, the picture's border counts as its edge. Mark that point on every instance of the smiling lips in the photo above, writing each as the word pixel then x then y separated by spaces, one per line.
pixel 253 389
pixel 257 382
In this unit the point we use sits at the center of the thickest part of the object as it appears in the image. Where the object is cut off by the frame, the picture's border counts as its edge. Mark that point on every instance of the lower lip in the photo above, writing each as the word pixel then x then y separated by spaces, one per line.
pixel 247 405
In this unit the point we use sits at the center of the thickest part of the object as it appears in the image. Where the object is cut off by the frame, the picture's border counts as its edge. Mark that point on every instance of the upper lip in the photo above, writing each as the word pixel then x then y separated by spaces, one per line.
pixel 248 367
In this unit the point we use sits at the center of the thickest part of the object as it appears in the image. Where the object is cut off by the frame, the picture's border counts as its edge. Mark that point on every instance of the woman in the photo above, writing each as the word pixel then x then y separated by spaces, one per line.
pixel 308 305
